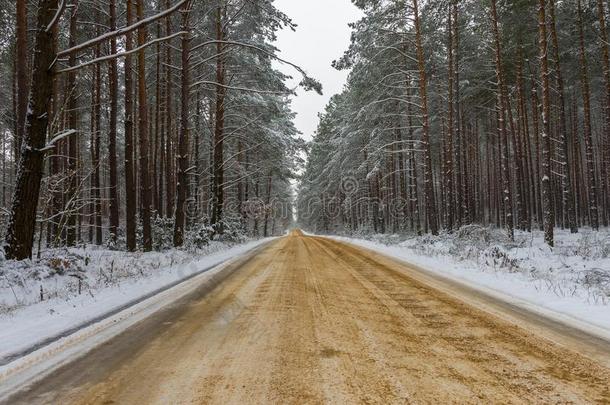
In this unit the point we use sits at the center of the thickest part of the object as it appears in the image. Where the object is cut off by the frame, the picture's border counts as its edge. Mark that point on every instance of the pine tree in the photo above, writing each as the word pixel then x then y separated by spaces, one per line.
pixel 183 138
pixel 21 227
pixel 549 213
pixel 588 137
pixel 143 135
pixel 506 180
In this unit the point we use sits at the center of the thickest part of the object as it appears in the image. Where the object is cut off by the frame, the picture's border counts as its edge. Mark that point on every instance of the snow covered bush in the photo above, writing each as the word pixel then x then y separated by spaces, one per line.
pixel 116 242
pixel 66 273
pixel 233 230
pixel 591 245
pixel 198 236
pixel 162 233
pixel 579 264
pixel 41 279
pixel 598 280
pixel 498 257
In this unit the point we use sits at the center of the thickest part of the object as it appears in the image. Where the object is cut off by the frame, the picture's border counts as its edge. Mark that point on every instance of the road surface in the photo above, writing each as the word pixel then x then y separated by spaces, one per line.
pixel 312 320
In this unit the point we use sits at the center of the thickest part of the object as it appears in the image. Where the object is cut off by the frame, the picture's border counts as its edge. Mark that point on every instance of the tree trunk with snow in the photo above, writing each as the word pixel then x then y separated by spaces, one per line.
pixel 113 88
pixel 548 209
pixel 506 184
pixel 22 221
pixel 183 138
pixel 431 212
pixel 73 117
pixel 218 142
pixel 448 156
pixel 145 190
pixel 21 67
pixel 130 166
pixel 588 138
pixel 169 141
pixel 605 151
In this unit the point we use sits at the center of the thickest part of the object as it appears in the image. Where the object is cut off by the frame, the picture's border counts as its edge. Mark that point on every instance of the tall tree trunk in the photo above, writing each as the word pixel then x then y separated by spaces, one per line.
pixel 130 186
pixel 197 164
pixel 537 161
pixel 21 72
pixel 97 128
pixel 547 203
pixel 145 191
pixel 448 158
pixel 22 221
pixel 508 201
pixel 162 109
pixel 568 188
pixel 162 163
pixel 218 143
pixel 268 203
pixel 525 132
pixel 55 160
pixel 415 194
pixel 183 139
pixel 431 211
pixel 588 138
pixel 72 106
pixel 605 142
pixel 169 155
pixel 112 132
pixel 157 164
pixel 459 139
pixel 94 162
pixel 518 162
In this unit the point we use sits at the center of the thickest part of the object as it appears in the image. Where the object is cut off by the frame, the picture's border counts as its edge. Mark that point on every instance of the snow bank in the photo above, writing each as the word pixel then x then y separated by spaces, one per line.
pixel 570 282
pixel 67 288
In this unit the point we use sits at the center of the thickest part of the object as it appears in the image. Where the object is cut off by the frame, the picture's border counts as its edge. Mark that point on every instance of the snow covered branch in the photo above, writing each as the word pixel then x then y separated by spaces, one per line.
pixel 121 31
pixel 121 54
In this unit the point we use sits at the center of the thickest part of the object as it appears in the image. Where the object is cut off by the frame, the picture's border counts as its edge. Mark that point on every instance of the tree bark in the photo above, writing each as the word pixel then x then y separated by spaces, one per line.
pixel 459 140
pixel 96 161
pixel 588 138
pixel 72 106
pixel 508 201
pixel 112 132
pixel 183 139
pixel 145 191
pixel 218 180
pixel 568 188
pixel 130 186
pixel 448 158
pixel 431 211
pixel 548 209
pixel 169 155
pixel 22 221
pixel 268 203
pixel 21 72
pixel 605 150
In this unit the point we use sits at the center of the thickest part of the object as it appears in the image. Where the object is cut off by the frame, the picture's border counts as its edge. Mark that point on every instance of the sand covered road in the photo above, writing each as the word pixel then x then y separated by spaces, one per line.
pixel 311 320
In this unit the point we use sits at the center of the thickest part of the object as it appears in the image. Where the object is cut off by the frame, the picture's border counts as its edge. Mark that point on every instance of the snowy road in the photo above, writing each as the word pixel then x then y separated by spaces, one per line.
pixel 312 320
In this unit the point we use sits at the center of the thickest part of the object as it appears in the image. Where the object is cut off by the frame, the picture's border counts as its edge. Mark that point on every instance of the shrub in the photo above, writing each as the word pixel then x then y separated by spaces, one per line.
pixel 162 233
pixel 234 230
pixel 198 236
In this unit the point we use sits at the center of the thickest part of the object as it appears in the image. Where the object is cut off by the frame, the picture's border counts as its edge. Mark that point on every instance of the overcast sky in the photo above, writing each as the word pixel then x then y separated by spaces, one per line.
pixel 322 36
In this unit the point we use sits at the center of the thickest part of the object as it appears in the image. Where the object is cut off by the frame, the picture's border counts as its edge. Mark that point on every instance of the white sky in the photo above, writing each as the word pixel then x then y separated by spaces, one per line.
pixel 322 36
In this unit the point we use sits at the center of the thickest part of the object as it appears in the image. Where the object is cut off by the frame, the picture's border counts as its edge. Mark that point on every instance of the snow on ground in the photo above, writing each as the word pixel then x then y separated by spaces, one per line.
pixel 570 282
pixel 67 288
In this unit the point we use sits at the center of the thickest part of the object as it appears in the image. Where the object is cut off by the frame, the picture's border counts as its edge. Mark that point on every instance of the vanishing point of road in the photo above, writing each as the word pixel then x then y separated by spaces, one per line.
pixel 309 320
